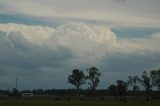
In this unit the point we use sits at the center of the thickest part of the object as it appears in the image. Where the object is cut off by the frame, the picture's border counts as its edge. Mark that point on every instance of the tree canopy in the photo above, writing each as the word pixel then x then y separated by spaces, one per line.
pixel 77 78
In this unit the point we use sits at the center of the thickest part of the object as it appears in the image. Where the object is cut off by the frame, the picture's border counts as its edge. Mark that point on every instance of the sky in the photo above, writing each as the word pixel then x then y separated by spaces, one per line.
pixel 42 41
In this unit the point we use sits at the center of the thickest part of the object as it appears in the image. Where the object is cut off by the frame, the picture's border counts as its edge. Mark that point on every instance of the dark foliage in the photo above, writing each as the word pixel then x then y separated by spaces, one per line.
pixel 121 89
pixel 77 78
pixel 93 77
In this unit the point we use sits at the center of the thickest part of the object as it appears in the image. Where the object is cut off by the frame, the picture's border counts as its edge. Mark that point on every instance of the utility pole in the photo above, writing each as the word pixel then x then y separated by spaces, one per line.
pixel 8 88
pixel 16 83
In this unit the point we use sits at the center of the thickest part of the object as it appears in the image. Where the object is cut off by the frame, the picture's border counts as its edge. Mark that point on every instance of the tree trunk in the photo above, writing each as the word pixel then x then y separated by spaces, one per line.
pixel 148 95
pixel 78 91
pixel 93 91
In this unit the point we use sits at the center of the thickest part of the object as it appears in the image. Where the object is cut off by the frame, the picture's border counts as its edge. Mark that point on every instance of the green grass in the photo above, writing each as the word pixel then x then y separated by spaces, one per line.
pixel 50 101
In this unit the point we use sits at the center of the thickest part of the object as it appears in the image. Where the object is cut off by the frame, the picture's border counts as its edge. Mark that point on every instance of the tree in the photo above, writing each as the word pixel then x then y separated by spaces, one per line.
pixel 93 77
pixel 158 79
pixel 155 74
pixel 77 78
pixel 147 81
pixel 133 81
pixel 15 91
pixel 112 89
pixel 122 89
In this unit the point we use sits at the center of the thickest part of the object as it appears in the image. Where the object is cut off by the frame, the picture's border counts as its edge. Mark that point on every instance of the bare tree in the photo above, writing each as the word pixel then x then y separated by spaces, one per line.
pixel 147 81
pixel 155 74
pixel 133 81
pixel 77 78
pixel 122 90
pixel 112 89
pixel 93 77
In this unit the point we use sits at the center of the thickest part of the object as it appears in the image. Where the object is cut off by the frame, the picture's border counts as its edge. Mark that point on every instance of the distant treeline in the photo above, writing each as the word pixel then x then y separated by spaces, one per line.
pixel 148 80
pixel 72 92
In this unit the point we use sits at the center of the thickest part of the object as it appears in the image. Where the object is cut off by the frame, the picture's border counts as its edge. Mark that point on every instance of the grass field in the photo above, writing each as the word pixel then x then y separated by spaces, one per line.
pixel 89 101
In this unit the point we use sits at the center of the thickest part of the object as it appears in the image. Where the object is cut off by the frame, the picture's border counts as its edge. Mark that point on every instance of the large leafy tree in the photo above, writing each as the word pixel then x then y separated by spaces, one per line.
pixel 77 78
pixel 93 77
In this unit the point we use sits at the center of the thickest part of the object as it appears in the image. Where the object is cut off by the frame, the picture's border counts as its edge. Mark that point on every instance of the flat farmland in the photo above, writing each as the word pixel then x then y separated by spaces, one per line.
pixel 75 101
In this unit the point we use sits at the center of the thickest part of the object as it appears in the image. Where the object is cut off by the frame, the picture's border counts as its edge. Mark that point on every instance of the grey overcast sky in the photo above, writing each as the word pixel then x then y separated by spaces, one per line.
pixel 42 41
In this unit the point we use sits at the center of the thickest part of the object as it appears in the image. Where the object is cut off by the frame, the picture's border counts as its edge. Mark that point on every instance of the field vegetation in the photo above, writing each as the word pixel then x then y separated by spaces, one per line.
pixel 75 101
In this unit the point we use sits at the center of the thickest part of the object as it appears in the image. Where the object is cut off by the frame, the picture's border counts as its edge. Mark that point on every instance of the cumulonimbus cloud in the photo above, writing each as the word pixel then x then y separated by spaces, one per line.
pixel 41 50
pixel 82 39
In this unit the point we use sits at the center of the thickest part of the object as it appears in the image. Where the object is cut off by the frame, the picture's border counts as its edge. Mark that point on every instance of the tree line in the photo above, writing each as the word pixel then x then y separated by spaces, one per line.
pixel 148 80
